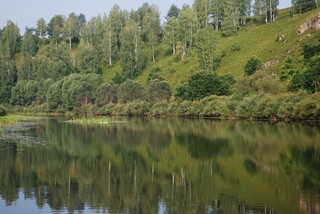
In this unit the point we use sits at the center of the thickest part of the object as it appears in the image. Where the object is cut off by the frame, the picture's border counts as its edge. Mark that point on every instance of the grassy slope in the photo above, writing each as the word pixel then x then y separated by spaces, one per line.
pixel 253 40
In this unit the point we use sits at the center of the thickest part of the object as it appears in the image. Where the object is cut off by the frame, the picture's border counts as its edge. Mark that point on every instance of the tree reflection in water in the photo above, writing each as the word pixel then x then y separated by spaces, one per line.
pixel 165 165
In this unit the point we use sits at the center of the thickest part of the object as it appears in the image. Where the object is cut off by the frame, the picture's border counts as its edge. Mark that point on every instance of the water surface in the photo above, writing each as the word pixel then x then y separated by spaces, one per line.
pixel 160 166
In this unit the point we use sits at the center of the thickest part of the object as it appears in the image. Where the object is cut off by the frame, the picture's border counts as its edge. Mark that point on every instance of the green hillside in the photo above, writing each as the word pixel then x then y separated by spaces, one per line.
pixel 253 40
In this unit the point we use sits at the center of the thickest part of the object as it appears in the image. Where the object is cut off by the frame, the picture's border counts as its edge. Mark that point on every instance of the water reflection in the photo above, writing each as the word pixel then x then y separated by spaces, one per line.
pixel 163 166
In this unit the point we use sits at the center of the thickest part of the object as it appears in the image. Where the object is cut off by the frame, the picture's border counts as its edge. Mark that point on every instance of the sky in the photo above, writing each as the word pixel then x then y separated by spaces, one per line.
pixel 26 13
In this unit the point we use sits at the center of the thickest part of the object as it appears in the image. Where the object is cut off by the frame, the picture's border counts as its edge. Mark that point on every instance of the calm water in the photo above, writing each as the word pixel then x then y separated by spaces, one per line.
pixel 160 166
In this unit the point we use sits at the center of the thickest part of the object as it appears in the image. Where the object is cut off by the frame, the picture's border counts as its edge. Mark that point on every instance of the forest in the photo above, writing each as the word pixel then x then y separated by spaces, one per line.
pixel 199 62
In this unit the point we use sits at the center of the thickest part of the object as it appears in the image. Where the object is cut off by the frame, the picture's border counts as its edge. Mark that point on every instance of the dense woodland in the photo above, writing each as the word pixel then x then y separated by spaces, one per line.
pixel 127 62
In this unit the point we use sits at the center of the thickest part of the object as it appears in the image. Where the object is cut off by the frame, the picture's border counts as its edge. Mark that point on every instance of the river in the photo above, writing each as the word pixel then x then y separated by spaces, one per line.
pixel 150 165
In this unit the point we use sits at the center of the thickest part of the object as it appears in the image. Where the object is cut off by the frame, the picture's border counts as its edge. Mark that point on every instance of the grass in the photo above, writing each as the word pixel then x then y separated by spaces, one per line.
pixel 90 121
pixel 254 40
pixel 12 119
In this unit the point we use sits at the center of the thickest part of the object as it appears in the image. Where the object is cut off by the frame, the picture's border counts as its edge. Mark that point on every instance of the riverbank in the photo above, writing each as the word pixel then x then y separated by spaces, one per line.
pixel 287 107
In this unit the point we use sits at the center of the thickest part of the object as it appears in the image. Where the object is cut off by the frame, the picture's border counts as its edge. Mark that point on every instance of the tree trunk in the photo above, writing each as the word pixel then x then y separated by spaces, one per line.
pixel 136 51
pixel 110 49
pixel 153 58
pixel 70 39
pixel 270 11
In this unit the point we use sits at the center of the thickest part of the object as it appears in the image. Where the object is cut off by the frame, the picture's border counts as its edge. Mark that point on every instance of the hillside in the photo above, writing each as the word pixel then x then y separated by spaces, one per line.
pixel 253 40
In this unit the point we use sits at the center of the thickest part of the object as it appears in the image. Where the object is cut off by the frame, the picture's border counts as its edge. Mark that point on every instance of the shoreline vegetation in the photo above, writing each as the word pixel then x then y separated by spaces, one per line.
pixel 287 107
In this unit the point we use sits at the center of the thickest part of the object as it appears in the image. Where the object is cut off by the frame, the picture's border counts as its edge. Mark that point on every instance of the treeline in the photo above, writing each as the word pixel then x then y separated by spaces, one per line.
pixel 58 66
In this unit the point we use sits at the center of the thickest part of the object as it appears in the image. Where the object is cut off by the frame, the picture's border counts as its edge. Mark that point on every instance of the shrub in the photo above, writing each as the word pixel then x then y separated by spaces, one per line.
pixel 235 48
pixel 252 66
pixel 204 84
pixel 3 111
pixel 130 91
pixel 106 93
pixel 159 90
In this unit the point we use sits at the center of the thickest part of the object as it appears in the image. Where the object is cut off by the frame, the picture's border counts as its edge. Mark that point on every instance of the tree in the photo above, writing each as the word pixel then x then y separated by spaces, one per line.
pixel 151 23
pixel 55 28
pixel 106 93
pixel 187 29
pixel 204 84
pixel 8 78
pixel 109 39
pixel 70 28
pixel 302 6
pixel 81 94
pixel 171 34
pixel 173 12
pixel 130 91
pixel 24 93
pixel 230 23
pixel 260 11
pixel 117 19
pixel 29 46
pixel 54 95
pixel 159 90
pixel 27 69
pixel 201 8
pixel 89 61
pixel 216 11
pixel 132 57
pixel 41 28
pixel 54 62
pixel 312 75
pixel 245 10
pixel 206 45
pixel 10 40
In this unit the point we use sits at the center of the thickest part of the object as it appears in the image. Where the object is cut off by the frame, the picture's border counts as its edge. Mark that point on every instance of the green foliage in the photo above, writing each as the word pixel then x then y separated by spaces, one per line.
pixel 106 93
pixel 27 69
pixel 310 51
pixel 43 89
pixel 309 78
pixel 53 96
pixel 130 91
pixel 159 90
pixel 203 84
pixel 54 62
pixel 10 40
pixel 29 46
pixel 206 48
pixel 173 12
pixel 24 93
pixel 133 59
pixel 8 78
pixel 230 23
pixel 302 6
pixel 3 111
pixel 252 66
pixel 89 61
pixel 154 74
pixel 55 28
pixel 260 82
pixel 235 48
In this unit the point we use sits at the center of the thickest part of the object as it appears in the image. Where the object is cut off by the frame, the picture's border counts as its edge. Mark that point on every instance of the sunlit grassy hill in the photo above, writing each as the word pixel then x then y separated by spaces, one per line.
pixel 253 40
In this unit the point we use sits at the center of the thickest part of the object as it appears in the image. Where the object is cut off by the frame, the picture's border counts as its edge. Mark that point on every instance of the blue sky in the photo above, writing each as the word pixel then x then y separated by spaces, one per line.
pixel 27 12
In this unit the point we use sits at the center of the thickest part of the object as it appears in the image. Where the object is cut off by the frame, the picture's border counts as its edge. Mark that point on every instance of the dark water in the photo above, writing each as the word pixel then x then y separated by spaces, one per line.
pixel 160 166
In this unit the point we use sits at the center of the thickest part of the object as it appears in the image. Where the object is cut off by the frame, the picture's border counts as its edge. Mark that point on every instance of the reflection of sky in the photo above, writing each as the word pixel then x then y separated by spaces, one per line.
pixel 29 206
pixel 25 206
